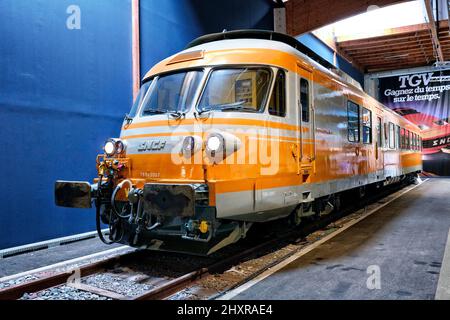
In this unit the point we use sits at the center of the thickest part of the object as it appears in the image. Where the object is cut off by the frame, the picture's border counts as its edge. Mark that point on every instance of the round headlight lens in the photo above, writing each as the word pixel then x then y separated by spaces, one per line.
pixel 188 144
pixel 214 143
pixel 110 148
pixel 120 147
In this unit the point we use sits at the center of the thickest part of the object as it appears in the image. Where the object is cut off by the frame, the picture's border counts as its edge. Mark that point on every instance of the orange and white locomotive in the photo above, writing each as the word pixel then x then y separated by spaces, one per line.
pixel 240 128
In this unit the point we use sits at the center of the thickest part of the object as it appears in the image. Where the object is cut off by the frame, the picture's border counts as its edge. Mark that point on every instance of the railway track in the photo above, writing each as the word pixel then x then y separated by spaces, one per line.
pixel 73 278
pixel 58 278
pixel 157 287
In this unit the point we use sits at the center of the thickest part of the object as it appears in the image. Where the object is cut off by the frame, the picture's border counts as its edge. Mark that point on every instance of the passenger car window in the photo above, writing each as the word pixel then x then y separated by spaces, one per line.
pixel 391 135
pixel 386 135
pixel 380 136
pixel 402 138
pixel 304 99
pixel 367 125
pixel 277 105
pixel 397 137
pixel 408 140
pixel 353 121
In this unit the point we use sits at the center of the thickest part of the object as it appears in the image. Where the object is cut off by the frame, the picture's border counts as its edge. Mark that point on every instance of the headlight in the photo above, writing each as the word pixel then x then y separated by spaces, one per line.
pixel 214 143
pixel 220 145
pixel 114 146
pixel 110 148
pixel 188 144
pixel 120 147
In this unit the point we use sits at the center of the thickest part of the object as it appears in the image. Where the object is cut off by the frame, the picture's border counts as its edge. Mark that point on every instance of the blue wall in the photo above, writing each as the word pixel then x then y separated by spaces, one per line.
pixel 62 92
pixel 168 26
pixel 234 14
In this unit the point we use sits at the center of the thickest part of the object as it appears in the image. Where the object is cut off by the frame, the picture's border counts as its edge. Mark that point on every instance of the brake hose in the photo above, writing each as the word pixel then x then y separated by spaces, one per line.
pixel 97 213
pixel 113 199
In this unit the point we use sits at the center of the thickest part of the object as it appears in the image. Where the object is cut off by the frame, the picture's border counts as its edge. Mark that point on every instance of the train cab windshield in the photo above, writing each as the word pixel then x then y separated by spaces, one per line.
pixel 227 89
pixel 236 89
pixel 171 93
pixel 139 99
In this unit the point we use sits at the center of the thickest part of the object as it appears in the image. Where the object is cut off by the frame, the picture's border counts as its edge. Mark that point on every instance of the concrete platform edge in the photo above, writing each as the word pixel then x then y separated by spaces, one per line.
pixel 236 291
pixel 47 244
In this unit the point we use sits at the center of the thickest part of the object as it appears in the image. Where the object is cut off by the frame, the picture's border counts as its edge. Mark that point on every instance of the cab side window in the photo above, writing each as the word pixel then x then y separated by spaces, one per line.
pixel 277 105
pixel 353 121
pixel 304 99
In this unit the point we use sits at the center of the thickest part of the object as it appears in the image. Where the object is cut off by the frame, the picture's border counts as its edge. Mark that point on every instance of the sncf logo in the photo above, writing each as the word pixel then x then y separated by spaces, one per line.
pixel 152 145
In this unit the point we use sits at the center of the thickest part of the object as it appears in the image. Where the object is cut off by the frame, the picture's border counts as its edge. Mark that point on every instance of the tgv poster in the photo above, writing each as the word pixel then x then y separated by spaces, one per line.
pixel 424 99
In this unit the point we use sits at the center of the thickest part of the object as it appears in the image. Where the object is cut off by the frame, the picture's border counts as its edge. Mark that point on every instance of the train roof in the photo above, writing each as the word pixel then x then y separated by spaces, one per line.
pixel 262 35
pixel 314 59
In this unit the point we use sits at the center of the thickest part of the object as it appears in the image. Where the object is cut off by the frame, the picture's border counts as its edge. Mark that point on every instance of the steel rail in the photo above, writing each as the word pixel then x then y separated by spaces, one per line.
pixel 17 291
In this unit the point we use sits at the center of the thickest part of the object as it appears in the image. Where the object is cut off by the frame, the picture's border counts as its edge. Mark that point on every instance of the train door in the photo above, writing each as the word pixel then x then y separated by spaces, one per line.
pixel 306 121
pixel 379 157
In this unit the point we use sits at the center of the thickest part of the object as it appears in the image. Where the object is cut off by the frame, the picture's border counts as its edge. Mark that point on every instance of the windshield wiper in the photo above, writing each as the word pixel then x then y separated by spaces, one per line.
pixel 173 113
pixel 239 108
pixel 177 114
pixel 226 106
pixel 154 111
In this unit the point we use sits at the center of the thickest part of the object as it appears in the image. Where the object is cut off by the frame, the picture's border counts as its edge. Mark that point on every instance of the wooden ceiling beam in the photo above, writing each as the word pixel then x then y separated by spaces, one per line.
pixel 387 33
pixel 383 49
pixel 395 66
pixel 421 30
pixel 385 41
pixel 392 67
pixel 388 49
pixel 435 36
pixel 424 48
pixel 395 59
pixel 363 60
pixel 394 43
pixel 386 63
pixel 305 15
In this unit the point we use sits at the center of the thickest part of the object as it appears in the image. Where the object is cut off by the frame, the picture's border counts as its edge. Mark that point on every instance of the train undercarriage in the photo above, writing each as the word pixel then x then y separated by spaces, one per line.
pixel 178 218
